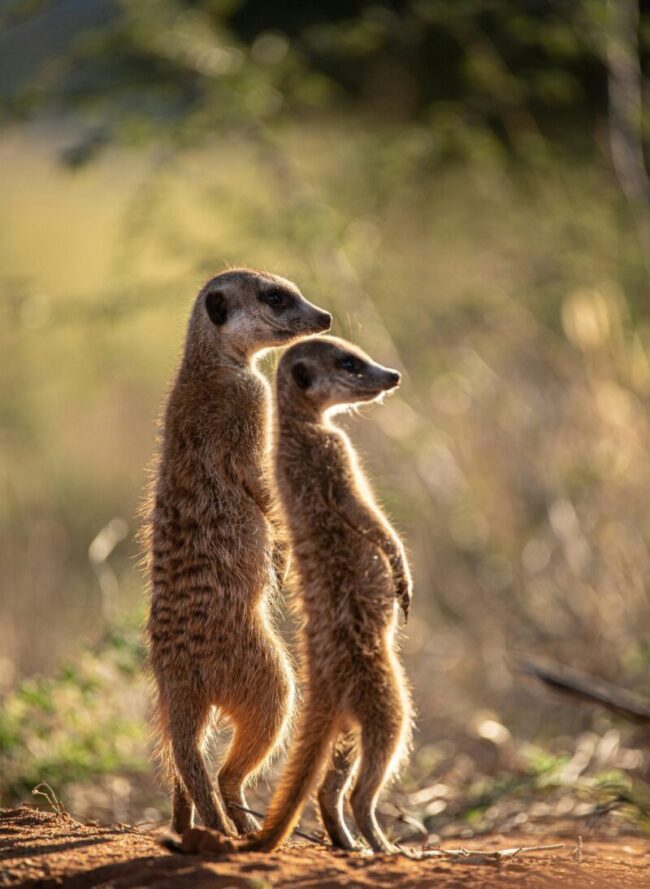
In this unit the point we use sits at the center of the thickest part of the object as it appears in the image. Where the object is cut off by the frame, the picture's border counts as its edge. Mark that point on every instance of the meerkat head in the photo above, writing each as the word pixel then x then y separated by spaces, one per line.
pixel 326 372
pixel 240 312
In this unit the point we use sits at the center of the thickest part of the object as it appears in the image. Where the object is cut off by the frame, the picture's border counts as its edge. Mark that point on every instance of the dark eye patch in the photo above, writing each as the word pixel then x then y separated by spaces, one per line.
pixel 351 364
pixel 276 298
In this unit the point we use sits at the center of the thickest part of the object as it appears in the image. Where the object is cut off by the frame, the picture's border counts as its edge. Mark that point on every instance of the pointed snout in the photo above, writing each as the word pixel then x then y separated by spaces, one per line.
pixel 392 378
pixel 322 321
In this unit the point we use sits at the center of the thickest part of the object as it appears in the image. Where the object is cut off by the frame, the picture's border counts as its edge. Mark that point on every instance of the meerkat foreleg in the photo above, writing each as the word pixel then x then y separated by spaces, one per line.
pixel 332 792
pixel 186 723
pixel 360 518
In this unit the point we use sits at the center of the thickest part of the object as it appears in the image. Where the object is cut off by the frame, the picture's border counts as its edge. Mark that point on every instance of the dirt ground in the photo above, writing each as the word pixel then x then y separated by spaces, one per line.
pixel 45 849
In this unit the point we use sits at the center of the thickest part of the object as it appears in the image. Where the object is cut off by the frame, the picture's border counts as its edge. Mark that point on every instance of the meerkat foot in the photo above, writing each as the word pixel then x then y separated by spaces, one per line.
pixel 332 793
pixel 375 837
pixel 341 837
pixel 332 808
pixel 219 822
pixel 243 821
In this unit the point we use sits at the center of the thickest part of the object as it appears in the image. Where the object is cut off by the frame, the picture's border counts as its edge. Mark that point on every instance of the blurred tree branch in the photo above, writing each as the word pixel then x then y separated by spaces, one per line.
pixel 624 82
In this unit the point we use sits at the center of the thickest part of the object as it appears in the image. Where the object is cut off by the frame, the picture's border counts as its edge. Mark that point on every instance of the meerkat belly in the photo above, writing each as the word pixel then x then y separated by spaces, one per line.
pixel 213 523
pixel 211 563
pixel 340 654
pixel 342 558
pixel 348 603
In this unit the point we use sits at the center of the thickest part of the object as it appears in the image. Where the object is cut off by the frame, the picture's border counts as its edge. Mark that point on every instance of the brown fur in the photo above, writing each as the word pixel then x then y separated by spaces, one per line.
pixel 351 574
pixel 215 557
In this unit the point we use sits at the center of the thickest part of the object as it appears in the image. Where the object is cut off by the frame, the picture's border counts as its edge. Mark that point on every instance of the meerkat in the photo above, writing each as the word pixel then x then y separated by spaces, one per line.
pixel 216 559
pixel 351 577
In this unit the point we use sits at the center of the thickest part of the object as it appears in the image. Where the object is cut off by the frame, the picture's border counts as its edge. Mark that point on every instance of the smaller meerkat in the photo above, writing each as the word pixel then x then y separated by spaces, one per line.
pixel 352 576
pixel 215 557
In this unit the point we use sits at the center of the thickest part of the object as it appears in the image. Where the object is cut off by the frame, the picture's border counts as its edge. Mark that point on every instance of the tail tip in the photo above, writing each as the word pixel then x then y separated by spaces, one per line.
pixel 172 844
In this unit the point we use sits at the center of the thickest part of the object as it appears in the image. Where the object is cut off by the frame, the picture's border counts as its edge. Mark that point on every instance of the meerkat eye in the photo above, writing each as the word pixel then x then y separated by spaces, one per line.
pixel 274 298
pixel 350 364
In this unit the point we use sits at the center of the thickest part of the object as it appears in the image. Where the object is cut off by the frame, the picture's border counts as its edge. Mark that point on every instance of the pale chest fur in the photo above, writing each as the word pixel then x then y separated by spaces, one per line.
pixel 319 477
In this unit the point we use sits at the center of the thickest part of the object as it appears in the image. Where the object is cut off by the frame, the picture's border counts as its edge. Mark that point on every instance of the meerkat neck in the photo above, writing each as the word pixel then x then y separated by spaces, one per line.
pixel 213 361
pixel 293 413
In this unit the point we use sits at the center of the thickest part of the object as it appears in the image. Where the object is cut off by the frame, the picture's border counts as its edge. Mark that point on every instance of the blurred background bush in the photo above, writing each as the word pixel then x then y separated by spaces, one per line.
pixel 463 185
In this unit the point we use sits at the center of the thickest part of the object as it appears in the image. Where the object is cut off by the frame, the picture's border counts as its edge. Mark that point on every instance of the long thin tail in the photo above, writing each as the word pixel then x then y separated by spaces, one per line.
pixel 306 759
pixel 618 700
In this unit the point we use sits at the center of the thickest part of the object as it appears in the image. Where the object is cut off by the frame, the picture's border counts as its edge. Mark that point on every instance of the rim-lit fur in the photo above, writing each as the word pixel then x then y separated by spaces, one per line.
pixel 351 576
pixel 215 555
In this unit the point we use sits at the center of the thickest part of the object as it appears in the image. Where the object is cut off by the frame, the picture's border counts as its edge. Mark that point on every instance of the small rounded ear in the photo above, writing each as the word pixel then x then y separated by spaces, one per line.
pixel 302 375
pixel 216 307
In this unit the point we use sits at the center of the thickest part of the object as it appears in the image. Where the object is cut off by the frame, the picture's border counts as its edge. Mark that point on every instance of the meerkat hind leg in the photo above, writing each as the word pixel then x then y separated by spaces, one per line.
pixel 182 808
pixel 241 759
pixel 381 736
pixel 258 727
pixel 187 720
pixel 332 792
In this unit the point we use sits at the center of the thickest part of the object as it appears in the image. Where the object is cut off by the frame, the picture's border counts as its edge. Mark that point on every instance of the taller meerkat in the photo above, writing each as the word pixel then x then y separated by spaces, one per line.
pixel 214 554
pixel 352 575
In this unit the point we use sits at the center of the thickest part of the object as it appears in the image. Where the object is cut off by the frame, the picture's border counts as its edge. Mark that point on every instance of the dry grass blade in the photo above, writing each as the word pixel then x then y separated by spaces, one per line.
pixel 50 796
pixel 519 850
pixel 480 856
pixel 410 821
pixel 577 852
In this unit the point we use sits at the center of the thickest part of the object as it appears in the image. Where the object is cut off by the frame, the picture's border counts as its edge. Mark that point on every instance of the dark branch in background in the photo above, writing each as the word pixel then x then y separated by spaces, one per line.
pixel 571 682
pixel 624 81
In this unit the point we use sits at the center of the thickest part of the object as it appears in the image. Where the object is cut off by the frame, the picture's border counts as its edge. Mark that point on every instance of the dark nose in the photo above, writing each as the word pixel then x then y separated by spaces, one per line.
pixel 324 320
pixel 392 379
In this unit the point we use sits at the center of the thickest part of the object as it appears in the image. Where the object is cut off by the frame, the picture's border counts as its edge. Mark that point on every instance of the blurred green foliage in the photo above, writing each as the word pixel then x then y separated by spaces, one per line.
pixel 80 727
pixel 480 75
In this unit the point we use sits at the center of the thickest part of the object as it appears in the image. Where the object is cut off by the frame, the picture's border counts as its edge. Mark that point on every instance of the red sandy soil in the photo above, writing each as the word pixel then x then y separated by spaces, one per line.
pixel 44 849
